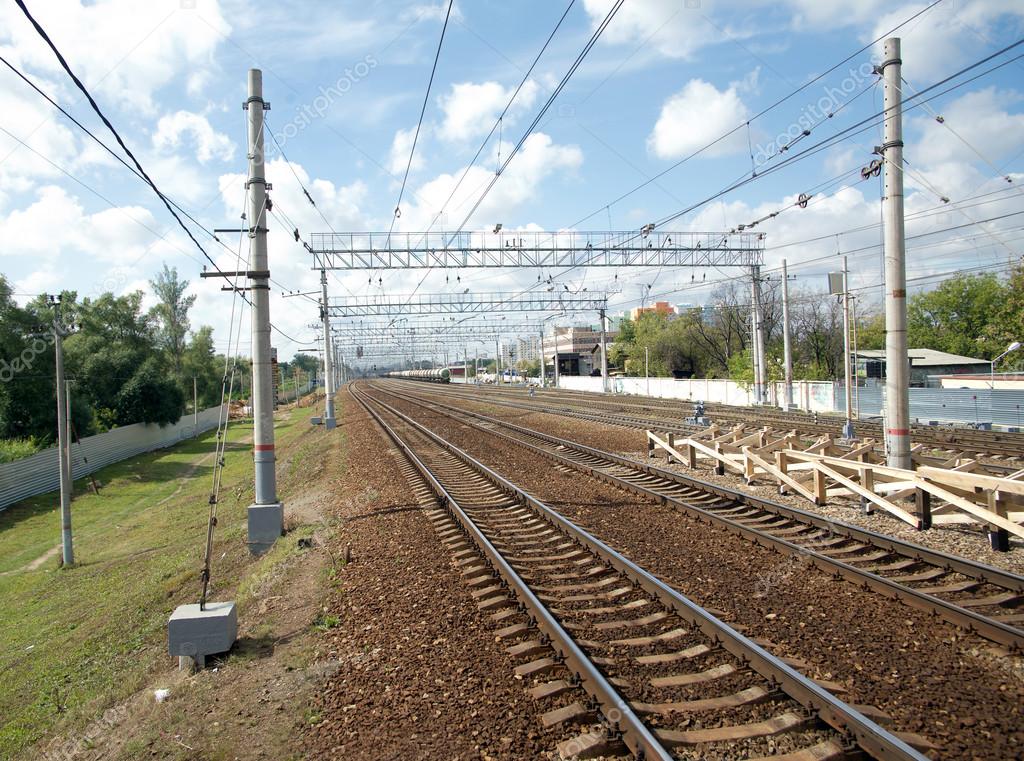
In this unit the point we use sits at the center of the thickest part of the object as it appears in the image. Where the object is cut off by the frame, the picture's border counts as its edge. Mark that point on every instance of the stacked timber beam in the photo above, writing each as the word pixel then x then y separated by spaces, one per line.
pixel 937 492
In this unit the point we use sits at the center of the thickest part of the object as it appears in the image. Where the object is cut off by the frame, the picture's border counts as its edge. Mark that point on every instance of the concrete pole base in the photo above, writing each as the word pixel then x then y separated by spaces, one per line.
pixel 193 634
pixel 266 525
pixel 330 423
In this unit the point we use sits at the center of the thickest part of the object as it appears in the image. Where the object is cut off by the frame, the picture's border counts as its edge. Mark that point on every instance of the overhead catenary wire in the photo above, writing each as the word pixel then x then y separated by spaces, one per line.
pixel 139 170
pixel 419 123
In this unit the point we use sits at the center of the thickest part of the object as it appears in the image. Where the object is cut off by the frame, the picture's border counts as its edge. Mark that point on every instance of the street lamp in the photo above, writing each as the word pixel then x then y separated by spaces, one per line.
pixel 992 376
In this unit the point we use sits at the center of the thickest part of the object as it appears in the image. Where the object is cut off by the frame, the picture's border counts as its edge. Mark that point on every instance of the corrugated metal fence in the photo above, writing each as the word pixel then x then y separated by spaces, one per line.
pixel 40 472
pixel 961 405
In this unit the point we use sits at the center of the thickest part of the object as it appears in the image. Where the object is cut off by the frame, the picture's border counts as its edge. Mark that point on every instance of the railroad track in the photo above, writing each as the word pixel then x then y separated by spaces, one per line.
pixel 974 596
pixel 583 617
pixel 639 414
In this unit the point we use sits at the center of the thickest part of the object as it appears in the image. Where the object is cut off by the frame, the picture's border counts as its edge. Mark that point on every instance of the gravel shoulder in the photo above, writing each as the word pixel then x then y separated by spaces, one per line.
pixel 412 668
pixel 930 677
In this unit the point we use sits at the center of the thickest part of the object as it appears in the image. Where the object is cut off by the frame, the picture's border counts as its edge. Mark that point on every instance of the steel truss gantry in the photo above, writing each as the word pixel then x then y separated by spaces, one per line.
pixel 522 248
pixel 469 328
pixel 465 303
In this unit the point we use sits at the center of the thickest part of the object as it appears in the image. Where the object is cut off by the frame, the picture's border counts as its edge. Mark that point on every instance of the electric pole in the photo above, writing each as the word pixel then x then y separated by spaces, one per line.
pixel 325 317
pixel 897 382
pixel 787 349
pixel 266 515
pixel 757 342
pixel 63 447
pixel 847 374
pixel 604 353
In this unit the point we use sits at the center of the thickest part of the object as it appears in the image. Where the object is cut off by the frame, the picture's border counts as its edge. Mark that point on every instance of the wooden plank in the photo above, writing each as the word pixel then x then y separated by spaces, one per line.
pixel 973 480
pixel 780 475
pixel 707 451
pixel 986 515
pixel 870 496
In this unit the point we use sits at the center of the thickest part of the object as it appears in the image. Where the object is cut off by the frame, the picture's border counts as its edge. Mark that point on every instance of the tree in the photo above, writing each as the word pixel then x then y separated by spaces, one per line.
pixel 956 316
pixel 171 312
pixel 1008 324
pixel 199 361
pixel 149 397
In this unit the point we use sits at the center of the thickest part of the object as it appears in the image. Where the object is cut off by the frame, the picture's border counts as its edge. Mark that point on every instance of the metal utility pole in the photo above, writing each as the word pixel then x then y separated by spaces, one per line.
pixel 604 353
pixel 195 407
pixel 68 552
pixel 647 374
pixel 847 373
pixel 897 363
pixel 325 318
pixel 543 369
pixel 497 362
pixel 787 348
pixel 266 515
pixel 554 335
pixel 757 343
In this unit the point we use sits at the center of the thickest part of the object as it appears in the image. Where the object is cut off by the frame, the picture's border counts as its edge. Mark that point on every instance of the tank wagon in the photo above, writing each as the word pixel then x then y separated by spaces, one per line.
pixel 433 376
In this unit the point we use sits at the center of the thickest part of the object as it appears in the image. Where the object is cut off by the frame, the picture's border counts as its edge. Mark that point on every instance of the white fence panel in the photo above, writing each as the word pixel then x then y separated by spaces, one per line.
pixel 40 473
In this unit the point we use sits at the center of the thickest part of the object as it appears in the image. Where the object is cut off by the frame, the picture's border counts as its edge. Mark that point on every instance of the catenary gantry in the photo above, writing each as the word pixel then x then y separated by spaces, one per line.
pixel 522 248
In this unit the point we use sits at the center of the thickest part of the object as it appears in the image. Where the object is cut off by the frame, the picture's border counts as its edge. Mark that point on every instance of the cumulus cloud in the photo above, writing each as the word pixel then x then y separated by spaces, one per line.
pixel 398 157
pixel 174 129
pixel 125 50
pixel 56 224
pixel 539 159
pixel 695 116
pixel 470 108
pixel 670 28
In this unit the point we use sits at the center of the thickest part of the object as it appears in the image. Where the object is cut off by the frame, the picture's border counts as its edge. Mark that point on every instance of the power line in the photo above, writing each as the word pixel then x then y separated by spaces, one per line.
pixel 544 109
pixel 95 107
pixel 502 115
pixel 419 124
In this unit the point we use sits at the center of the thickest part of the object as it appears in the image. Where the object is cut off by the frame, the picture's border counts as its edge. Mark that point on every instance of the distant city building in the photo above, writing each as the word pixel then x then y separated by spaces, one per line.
pixel 923 363
pixel 574 345
pixel 660 307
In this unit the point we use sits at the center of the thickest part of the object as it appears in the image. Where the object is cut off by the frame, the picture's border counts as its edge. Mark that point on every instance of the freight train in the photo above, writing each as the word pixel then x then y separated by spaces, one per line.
pixel 443 375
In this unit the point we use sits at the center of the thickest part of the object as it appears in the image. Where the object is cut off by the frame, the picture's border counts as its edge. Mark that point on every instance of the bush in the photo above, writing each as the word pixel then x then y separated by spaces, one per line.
pixel 16 449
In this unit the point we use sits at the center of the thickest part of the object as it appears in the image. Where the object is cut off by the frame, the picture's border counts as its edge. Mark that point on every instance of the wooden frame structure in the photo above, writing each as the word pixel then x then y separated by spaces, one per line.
pixel 944 491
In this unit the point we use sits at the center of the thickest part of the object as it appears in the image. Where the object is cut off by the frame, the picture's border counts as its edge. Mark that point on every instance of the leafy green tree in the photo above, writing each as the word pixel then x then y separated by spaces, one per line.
pixel 171 314
pixel 956 316
pixel 149 396
pixel 1007 325
pixel 201 362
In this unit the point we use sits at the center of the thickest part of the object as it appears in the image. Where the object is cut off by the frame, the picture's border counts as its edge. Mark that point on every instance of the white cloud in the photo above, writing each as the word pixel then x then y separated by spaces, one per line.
pixel 667 27
pixel 173 129
pixel 55 226
pixel 981 118
pixel 398 158
pixel 539 159
pixel 693 117
pixel 471 109
pixel 124 50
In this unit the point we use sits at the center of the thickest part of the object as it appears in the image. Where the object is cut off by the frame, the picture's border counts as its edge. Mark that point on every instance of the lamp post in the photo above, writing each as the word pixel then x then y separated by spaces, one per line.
pixel 992 375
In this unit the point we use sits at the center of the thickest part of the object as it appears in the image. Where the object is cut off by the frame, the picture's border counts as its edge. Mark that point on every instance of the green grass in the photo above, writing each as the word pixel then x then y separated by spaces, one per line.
pixel 77 640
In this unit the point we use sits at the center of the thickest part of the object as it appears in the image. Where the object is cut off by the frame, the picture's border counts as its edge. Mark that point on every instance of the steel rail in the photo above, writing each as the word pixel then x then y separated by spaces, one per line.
pixel 982 625
pixel 635 734
pixel 842 717
pixel 630 420
pixel 1005 443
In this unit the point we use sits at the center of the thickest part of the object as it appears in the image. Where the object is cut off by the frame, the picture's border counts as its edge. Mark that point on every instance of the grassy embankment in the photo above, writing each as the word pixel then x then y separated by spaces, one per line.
pixel 78 640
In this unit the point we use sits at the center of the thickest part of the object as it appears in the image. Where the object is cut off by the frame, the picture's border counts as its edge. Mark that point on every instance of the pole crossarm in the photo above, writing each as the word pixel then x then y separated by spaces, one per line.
pixel 465 303
pixel 514 248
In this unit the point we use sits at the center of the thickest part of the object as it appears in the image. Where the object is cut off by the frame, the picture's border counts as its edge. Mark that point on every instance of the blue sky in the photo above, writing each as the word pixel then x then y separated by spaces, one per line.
pixel 346 83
